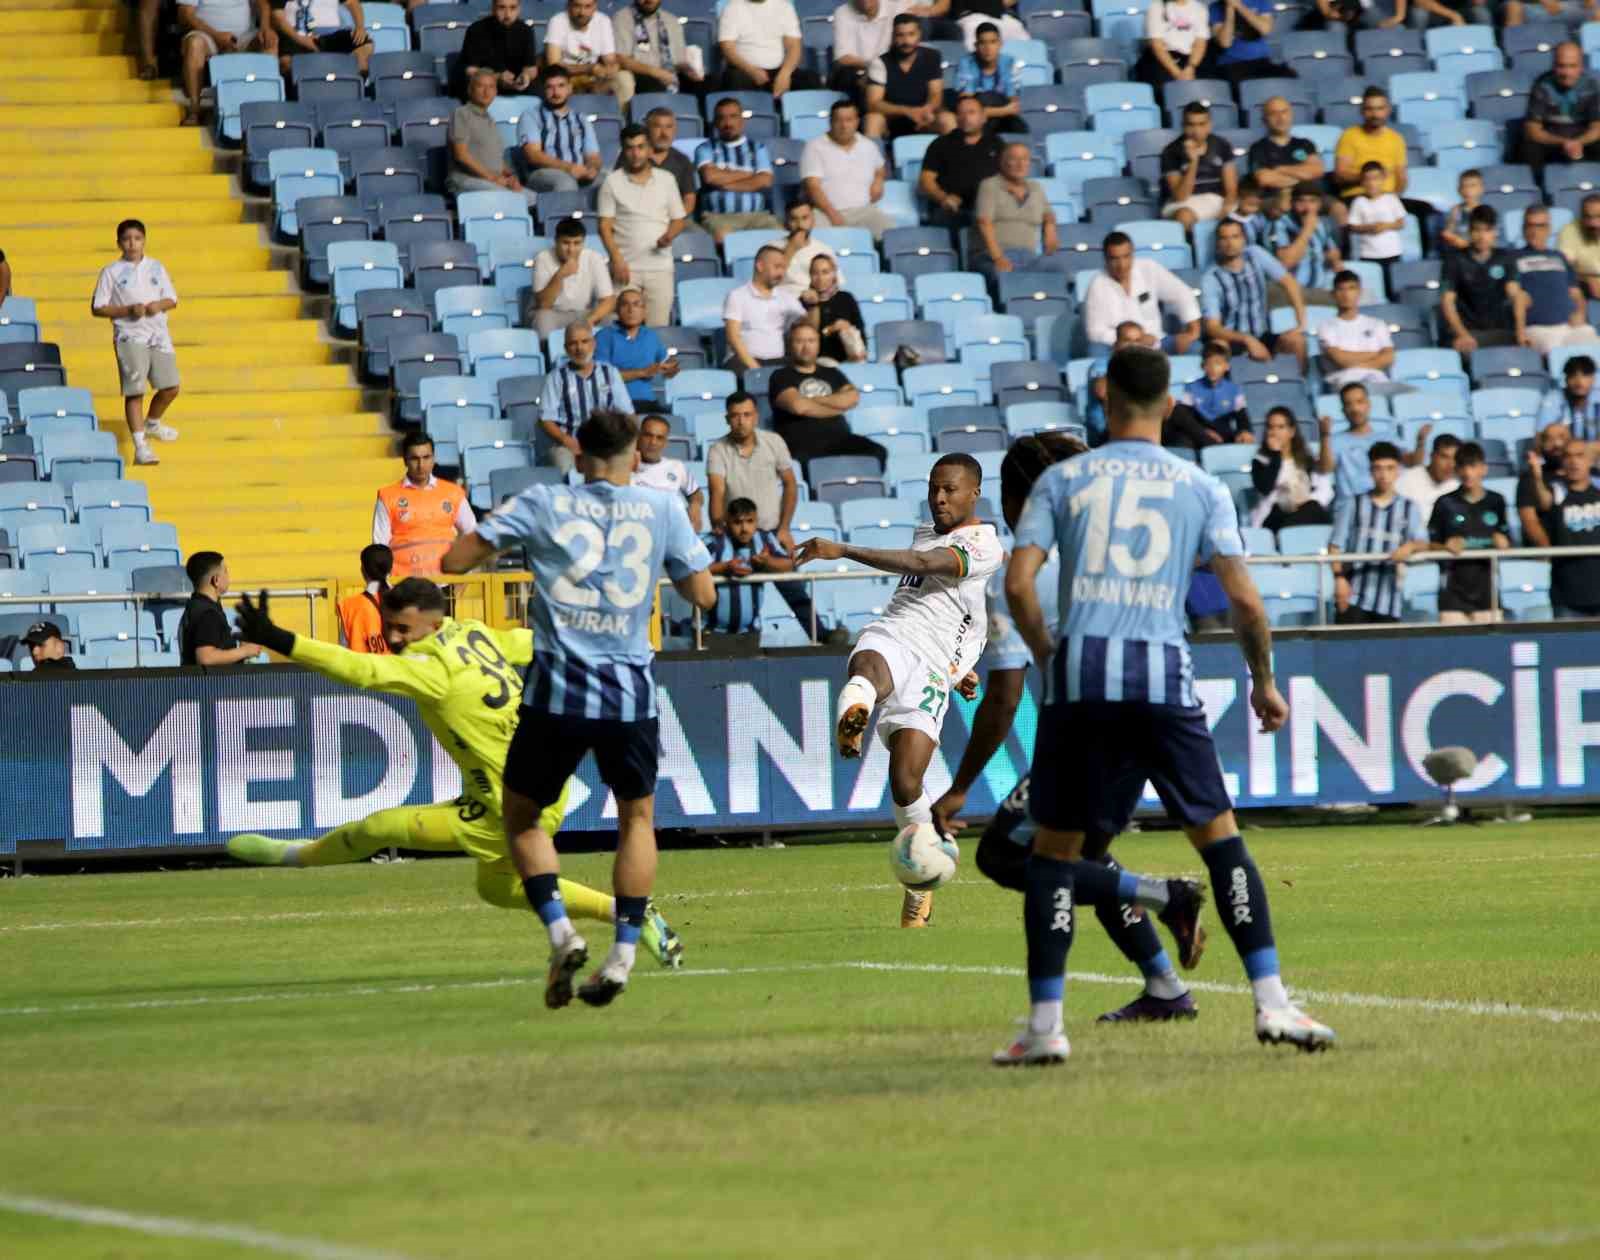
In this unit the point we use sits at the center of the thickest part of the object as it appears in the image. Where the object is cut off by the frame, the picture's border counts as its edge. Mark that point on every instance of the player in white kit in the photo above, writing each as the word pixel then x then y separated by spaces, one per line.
pixel 925 644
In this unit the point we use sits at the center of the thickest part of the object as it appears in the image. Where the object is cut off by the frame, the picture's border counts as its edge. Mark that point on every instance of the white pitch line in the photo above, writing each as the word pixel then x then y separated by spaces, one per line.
pixel 1382 1001
pixel 1379 1248
pixel 178 1227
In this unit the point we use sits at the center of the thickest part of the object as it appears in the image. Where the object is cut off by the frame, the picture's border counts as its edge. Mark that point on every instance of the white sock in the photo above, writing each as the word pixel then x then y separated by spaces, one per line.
pixel 919 811
pixel 561 931
pixel 857 691
pixel 291 855
pixel 139 438
pixel 1166 987
pixel 1270 993
pixel 1045 1018
pixel 623 955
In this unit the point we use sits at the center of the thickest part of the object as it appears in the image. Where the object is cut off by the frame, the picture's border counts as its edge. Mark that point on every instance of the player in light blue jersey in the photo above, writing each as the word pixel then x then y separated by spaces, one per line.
pixel 597 551
pixel 1131 522
pixel 1002 852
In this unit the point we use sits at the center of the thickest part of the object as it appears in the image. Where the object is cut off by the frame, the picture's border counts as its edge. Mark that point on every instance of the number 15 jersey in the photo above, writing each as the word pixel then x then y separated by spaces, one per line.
pixel 597 552
pixel 1131 521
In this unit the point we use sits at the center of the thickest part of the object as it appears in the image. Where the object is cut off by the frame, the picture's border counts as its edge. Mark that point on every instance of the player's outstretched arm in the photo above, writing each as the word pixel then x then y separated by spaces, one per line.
pixel 698 589
pixel 467 553
pixel 1254 633
pixel 1002 694
pixel 938 562
pixel 1022 597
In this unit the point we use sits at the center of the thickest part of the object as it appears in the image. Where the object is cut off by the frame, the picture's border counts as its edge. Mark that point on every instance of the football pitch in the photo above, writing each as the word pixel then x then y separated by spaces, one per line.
pixel 355 1062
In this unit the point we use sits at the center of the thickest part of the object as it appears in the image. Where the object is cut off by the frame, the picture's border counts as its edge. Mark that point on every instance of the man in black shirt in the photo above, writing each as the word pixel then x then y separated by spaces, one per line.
pixel 1475 299
pixel 905 85
pixel 1542 487
pixel 957 162
pixel 1197 172
pixel 204 636
pixel 1281 159
pixel 1469 519
pixel 46 646
pixel 1575 583
pixel 501 43
pixel 809 403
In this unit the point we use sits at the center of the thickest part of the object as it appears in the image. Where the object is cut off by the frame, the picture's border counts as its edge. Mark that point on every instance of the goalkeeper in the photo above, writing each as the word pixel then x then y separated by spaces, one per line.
pixel 463 677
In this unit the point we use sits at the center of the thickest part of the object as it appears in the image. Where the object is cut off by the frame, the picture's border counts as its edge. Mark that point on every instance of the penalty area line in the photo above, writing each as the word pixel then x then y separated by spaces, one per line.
pixel 1379 1001
pixel 179 1227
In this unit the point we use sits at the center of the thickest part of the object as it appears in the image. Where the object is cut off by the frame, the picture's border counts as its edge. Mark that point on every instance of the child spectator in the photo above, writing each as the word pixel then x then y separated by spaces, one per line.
pixel 1248 214
pixel 1377 520
pixel 1470 519
pixel 1211 409
pixel 740 550
pixel 1376 218
pixel 1129 333
pixel 1470 187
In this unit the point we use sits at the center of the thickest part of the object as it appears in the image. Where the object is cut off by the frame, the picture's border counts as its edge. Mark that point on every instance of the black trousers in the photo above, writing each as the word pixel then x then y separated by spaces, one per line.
pixel 1538 156
pixel 736 80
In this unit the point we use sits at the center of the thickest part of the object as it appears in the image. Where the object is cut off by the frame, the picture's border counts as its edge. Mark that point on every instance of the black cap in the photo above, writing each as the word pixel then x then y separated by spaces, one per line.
pixel 41 632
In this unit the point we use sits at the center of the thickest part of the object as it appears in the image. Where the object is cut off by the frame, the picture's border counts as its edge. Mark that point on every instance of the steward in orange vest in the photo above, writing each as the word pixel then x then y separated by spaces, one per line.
pixel 419 516
pixel 361 614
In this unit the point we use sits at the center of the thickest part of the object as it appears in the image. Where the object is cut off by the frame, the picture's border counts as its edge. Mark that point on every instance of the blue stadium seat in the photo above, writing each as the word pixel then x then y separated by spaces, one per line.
pixel 1042 417
pixel 424 124
pixel 402 75
pixel 386 23
pixel 297 173
pixel 68 457
pixel 141 546
pixel 1506 403
pixel 988 340
pixel 942 385
pixel 385 313
pixel 324 220
pixel 409 220
pixel 1423 98
pixel 55 406
pixel 1525 588
pixel 498 352
pixel 250 88
pixel 710 385
pixel 879 383
pixel 466 309
pixel 437 265
pixel 896 428
pixel 1026 380
pixel 18 584
pixel 1508 367
pixel 1431 369
pixel 349 126
pixel 386 173
pixel 925 337
pixel 44 547
pixel 105 503
pixel 1305 540
pixel 19 319
pixel 1076 156
pixel 357 265
pixel 950 297
pixel 1538 37
pixel 1291 593
pixel 320 77
pixel 415 359
pixel 1259 542
pixel 700 302
pixel 1464 143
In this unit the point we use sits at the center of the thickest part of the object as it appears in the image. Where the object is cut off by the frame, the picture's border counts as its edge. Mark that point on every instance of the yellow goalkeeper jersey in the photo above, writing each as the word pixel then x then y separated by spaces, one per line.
pixel 464 681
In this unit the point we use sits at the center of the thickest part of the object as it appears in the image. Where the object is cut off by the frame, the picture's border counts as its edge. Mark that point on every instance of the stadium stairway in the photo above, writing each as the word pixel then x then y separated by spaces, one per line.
pixel 281 453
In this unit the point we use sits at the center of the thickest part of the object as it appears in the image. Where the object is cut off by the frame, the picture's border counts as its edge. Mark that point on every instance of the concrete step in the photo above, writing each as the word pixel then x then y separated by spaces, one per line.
pixel 275 402
pixel 174 217
pixel 37 92
pixel 202 262
pixel 156 142
pixel 32 191
pixel 238 311
pixel 55 6
pixel 73 21
pixel 271 336
pixel 87 163
pixel 209 377
pixel 94 44
pixel 90 71
pixel 191 280
pixel 30 119
pixel 96 369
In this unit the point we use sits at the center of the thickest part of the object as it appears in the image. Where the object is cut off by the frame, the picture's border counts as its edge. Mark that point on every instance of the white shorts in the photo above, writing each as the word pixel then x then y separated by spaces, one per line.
pixel 1204 206
pixel 920 695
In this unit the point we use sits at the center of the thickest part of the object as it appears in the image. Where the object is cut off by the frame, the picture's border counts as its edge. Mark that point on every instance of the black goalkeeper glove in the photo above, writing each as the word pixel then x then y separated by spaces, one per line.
pixel 255 626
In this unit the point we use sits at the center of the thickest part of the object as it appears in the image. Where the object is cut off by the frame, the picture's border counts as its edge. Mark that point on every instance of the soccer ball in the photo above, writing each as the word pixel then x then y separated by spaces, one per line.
pixel 921 858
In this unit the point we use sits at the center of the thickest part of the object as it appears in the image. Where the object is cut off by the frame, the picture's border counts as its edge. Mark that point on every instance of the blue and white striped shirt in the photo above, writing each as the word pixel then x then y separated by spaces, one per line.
pixel 1583 419
pixel 1312 271
pixel 1238 299
pixel 739 606
pixel 566 136
pixel 1363 525
pixel 1132 521
pixel 568 398
pixel 743 154
pixel 1002 81
pixel 597 552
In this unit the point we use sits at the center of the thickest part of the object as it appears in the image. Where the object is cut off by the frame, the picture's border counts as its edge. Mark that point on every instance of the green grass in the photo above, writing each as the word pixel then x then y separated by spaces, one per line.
pixel 359 1055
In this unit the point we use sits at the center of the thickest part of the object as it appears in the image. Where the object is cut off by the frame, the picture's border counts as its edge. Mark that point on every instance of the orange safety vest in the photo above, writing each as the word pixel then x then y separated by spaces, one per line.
pixel 361 620
pixel 422 524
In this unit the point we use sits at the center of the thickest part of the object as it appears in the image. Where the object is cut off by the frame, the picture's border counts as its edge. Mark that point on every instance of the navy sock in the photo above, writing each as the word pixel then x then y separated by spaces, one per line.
pixel 544 895
pixel 1099 883
pixel 630 919
pixel 1047 917
pixel 1242 905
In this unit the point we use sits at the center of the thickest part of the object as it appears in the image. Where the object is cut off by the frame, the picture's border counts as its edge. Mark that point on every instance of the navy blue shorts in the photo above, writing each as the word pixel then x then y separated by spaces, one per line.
pixel 548 747
pixel 1092 758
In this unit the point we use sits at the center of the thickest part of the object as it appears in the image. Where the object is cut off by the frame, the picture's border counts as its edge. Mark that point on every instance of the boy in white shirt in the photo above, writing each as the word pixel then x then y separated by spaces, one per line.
pixel 1376 218
pixel 135 294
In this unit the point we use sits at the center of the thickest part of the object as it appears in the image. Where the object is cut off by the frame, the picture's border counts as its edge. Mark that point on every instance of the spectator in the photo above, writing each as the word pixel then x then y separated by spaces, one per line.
pixel 46 648
pixel 1476 297
pixel 641 214
pixel 1423 484
pixel 1248 214
pixel 1354 15
pixel 1563 119
pixel 1573 12
pixel 419 516
pixel 1469 186
pixel 1176 37
pixel 503 44
pixel 583 43
pixel 1543 484
pixel 361 614
pixel 574 391
pixel 650 50
pixel 1282 161
pixel 969 15
pixel 1307 245
pixel 800 248
pixel 1357 347
pixel 991 76
pixel 570 281
pixel 658 472
pixel 1469 519
pixel 558 144
pixel 751 463
pixel 835 314
pixel 736 172
pixel 1014 215
pixel 1291 490
pixel 809 404
pixel 1211 409
pixel 1577 405
pixel 1239 30
pixel 477 154
pixel 135 294
pixel 1197 172
pixel 219 26
pixel 843 172
pixel 1575 583
pixel 761 47
pixel 1424 14
pixel 1376 218
pixel 1233 299
pixel 306 26
pixel 738 551
pixel 1129 333
pixel 1346 456
pixel 1580 242
pixel 862 31
pixel 1375 141
pixel 755 316
pixel 1379 519
pixel 905 86
pixel 1143 291
pixel 1556 312
pixel 204 636
pixel 661 129
pixel 957 163
pixel 633 349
